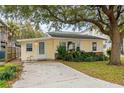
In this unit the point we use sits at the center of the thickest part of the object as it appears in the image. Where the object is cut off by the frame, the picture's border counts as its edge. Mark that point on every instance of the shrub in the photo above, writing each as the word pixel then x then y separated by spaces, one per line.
pixel 89 59
pixel 68 57
pixel 8 73
pixel 102 57
pixel 72 55
pixel 11 68
pixel 61 52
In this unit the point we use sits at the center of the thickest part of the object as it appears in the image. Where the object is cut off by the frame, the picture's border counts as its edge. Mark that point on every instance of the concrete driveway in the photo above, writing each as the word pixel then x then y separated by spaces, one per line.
pixel 54 75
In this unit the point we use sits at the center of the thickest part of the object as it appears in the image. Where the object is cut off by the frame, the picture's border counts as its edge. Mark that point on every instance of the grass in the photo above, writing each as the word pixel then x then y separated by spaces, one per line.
pixel 13 74
pixel 101 70
pixel 3 84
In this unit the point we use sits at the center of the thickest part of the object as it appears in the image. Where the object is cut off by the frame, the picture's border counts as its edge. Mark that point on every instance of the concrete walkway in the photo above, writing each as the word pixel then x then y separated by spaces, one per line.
pixel 54 75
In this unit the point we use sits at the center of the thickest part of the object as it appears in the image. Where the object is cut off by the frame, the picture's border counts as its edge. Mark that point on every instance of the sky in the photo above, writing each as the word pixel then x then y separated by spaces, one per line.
pixel 45 29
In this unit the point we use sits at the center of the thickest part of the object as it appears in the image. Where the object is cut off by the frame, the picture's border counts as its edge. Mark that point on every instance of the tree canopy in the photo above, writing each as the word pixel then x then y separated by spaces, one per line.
pixel 23 31
pixel 65 16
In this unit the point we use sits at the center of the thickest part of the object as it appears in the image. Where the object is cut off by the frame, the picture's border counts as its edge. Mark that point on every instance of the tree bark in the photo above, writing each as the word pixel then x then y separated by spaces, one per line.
pixel 116 47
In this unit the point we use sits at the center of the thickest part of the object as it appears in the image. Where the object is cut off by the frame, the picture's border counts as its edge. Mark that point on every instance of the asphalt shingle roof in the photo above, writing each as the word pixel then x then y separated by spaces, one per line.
pixel 77 35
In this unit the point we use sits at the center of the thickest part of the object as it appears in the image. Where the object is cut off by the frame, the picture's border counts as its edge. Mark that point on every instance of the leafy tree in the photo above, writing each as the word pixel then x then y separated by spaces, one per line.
pixel 28 31
pixel 109 19
pixel 14 30
pixel 23 31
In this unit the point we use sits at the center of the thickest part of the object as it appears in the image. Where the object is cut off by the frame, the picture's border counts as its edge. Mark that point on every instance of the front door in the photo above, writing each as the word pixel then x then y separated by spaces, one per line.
pixel 41 50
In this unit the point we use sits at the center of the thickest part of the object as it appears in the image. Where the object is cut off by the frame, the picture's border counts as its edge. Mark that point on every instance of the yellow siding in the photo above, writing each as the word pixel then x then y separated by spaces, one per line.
pixel 56 44
pixel 51 47
pixel 86 45
pixel 24 54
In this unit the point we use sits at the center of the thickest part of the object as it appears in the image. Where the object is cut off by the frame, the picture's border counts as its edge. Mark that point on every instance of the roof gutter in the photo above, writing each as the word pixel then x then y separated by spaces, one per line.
pixel 33 39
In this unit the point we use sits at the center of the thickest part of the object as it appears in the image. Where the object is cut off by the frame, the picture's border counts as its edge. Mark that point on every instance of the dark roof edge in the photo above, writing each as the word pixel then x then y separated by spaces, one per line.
pixel 95 37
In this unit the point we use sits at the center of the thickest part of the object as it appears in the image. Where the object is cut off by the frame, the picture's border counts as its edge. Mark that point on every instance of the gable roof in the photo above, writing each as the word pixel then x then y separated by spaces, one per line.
pixel 76 35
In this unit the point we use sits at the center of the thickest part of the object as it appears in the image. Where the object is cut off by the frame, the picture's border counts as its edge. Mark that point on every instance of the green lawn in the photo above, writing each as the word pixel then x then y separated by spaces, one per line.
pixel 100 70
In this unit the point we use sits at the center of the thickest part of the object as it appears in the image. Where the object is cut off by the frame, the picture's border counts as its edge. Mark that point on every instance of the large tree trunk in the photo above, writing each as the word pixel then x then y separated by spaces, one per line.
pixel 116 48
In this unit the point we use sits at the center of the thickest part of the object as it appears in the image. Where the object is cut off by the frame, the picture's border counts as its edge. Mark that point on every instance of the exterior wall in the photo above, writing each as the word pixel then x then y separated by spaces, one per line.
pixel 97 33
pixel 24 53
pixel 86 45
pixel 34 54
pixel 51 47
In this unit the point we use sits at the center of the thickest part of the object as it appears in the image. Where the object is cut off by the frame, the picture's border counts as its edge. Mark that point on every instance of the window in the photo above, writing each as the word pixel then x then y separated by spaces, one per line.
pixel 29 47
pixel 71 45
pixel 78 46
pixel 94 46
pixel 41 48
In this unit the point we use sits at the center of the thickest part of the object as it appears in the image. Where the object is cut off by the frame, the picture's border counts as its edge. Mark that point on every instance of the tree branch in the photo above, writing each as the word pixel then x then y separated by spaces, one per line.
pixel 105 10
pixel 118 12
pixel 78 20
pixel 100 18
pixel 98 24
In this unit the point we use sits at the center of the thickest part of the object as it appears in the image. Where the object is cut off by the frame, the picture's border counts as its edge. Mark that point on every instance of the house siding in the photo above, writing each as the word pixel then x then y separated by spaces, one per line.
pixel 51 47
pixel 86 45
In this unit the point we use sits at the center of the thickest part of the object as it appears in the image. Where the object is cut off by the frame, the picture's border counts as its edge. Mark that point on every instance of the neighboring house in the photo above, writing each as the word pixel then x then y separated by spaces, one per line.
pixel 7 46
pixel 3 36
pixel 94 32
pixel 46 47
pixel 2 41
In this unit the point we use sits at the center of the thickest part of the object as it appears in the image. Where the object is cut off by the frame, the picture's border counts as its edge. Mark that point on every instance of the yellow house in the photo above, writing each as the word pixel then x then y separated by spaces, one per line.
pixel 46 47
